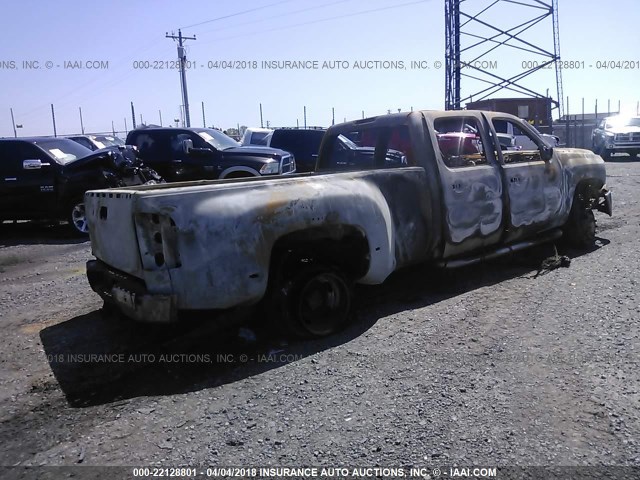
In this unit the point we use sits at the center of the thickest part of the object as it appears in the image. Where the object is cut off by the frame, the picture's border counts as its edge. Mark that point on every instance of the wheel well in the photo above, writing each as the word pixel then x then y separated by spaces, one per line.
pixel 587 192
pixel 69 202
pixel 240 174
pixel 343 246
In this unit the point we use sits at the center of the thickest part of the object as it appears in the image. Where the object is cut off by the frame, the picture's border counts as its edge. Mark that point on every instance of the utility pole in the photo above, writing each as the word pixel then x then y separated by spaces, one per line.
pixel 81 123
pixel 53 118
pixel 183 76
pixel 204 122
pixel 113 128
pixel 567 120
pixel 133 116
pixel 305 116
pixel 126 130
pixel 160 113
pixel 261 125
pixel 452 55
pixel 13 124
pixel 333 116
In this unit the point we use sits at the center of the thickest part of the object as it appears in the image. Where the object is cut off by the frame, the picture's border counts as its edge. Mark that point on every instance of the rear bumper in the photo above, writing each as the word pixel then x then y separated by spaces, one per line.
pixel 130 295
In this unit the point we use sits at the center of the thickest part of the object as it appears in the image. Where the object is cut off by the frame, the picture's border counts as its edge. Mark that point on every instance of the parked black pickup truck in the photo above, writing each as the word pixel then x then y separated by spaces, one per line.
pixel 438 189
pixel 180 154
pixel 45 178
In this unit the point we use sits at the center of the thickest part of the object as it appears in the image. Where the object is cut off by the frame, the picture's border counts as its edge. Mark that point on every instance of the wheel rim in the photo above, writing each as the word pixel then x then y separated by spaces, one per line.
pixel 323 304
pixel 79 218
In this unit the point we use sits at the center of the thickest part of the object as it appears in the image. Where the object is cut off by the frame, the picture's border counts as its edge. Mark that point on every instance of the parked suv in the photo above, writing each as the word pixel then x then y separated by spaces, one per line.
pixel 303 143
pixel 617 134
pixel 46 178
pixel 96 142
pixel 181 154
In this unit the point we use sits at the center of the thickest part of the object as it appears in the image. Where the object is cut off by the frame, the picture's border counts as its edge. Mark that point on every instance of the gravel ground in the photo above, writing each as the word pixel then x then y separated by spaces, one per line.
pixel 495 366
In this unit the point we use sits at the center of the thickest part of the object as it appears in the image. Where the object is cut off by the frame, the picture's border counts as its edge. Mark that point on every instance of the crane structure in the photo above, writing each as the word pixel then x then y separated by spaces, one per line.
pixel 479 30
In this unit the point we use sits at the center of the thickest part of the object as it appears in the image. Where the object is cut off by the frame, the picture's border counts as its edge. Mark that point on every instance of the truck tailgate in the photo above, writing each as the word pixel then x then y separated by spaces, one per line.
pixel 112 229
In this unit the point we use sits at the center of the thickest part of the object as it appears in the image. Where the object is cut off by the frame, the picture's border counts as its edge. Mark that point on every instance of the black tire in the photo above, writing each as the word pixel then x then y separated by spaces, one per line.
pixel 315 302
pixel 77 218
pixel 110 311
pixel 580 229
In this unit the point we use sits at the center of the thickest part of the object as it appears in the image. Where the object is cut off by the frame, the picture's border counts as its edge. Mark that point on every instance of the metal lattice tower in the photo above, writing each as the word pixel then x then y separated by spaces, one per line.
pixel 493 27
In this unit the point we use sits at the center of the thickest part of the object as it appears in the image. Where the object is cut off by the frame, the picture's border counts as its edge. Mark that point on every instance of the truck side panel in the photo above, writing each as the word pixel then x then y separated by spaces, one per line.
pixel 212 246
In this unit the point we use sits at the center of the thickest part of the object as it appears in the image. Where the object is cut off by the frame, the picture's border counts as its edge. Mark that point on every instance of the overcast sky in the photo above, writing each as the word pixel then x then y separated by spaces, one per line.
pixel 121 35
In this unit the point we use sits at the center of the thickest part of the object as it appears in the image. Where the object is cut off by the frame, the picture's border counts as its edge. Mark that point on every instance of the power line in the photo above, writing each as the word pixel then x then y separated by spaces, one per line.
pixel 237 14
pixel 280 15
pixel 347 15
pixel 109 81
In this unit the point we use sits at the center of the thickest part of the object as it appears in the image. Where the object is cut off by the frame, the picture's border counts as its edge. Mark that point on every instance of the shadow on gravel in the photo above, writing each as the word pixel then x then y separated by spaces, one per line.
pixel 98 359
pixel 422 286
pixel 32 233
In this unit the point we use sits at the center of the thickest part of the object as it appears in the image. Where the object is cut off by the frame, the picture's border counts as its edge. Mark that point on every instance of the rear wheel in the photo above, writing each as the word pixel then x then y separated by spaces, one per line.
pixel 314 302
pixel 77 218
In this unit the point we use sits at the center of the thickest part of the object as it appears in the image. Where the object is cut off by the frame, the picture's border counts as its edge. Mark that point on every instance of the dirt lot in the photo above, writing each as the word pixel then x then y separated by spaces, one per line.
pixel 495 366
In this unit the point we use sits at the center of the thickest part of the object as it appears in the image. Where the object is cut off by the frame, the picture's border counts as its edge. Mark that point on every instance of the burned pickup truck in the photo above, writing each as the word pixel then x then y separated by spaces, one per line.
pixel 437 188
